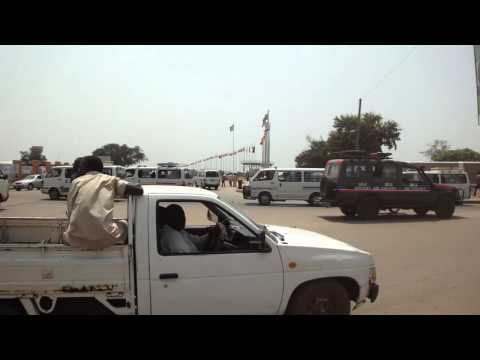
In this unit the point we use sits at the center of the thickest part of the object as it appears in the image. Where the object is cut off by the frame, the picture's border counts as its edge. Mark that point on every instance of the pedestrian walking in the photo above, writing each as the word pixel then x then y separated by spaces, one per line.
pixel 477 186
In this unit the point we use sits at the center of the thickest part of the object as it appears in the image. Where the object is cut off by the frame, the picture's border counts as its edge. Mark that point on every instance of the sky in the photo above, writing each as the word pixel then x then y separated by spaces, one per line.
pixel 177 102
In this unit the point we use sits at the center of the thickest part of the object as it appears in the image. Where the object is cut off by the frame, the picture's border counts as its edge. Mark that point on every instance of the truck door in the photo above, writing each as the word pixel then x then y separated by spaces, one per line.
pixel 417 191
pixel 230 282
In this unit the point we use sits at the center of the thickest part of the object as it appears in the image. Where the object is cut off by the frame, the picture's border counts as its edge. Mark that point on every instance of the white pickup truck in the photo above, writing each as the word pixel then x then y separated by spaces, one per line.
pixel 255 269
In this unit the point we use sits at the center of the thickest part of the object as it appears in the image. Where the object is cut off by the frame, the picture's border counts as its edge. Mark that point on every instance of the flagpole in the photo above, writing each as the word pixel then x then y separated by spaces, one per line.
pixel 233 155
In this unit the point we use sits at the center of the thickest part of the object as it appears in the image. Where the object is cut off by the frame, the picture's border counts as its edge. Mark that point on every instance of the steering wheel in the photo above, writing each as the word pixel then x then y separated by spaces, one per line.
pixel 216 237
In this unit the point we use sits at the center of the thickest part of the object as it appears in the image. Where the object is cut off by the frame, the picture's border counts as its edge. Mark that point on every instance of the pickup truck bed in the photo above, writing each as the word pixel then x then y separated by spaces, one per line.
pixel 38 263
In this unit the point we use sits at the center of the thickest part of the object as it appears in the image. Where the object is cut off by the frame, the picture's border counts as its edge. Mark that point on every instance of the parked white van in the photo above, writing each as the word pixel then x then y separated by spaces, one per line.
pixel 453 177
pixel 280 184
pixel 174 176
pixel 142 175
pixel 4 187
pixel 208 179
pixel 115 170
pixel 57 182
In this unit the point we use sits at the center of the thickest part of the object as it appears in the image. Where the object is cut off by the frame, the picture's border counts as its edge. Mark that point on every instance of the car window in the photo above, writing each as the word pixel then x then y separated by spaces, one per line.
pixel 265 175
pixel 197 226
pixel 146 173
pixel 108 171
pixel 130 172
pixel 412 178
pixel 211 174
pixel 388 172
pixel 290 176
pixel 434 177
pixel 355 171
pixel 121 172
pixel 53 173
pixel 68 172
pixel 332 171
pixel 312 176
pixel 454 179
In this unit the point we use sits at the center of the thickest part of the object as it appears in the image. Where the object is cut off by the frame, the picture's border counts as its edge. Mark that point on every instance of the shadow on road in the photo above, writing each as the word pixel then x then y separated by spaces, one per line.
pixel 388 218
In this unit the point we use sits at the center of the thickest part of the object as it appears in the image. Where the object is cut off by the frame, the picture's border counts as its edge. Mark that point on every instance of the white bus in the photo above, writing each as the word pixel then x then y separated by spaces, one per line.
pixel 160 176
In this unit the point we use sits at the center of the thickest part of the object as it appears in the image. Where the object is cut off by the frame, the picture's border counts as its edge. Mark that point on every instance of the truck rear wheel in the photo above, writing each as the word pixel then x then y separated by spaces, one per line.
pixel 367 208
pixel 54 194
pixel 315 199
pixel 348 212
pixel 445 207
pixel 264 198
pixel 326 297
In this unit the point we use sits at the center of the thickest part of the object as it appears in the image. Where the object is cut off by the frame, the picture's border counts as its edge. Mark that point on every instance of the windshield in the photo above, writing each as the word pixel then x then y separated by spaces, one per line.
pixel 211 174
pixel 333 170
pixel 30 177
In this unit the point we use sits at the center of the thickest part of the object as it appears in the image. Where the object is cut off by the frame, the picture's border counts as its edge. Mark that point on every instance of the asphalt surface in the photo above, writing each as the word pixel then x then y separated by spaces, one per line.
pixel 424 265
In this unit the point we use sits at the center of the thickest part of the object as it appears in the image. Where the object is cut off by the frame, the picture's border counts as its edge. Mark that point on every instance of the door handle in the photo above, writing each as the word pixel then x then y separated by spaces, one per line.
pixel 168 276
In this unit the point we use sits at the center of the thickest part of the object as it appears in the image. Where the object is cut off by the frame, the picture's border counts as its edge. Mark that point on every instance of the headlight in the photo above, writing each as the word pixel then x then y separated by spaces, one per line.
pixel 372 275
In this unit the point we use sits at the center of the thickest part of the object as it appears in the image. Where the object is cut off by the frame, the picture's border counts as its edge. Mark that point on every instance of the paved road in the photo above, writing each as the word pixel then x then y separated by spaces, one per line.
pixel 424 265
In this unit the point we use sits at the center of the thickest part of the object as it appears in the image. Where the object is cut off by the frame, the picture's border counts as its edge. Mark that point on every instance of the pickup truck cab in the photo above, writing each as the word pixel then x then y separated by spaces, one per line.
pixel 363 184
pixel 254 269
pixel 4 187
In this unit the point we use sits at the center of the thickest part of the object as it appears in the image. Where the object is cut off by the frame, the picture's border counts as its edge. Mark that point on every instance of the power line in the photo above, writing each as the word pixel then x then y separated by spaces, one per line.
pixel 390 72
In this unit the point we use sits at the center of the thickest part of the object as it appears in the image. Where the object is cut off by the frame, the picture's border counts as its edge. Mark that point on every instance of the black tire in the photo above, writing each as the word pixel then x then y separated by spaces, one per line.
pixel 367 208
pixel 315 199
pixel 348 212
pixel 264 198
pixel 420 211
pixel 445 207
pixel 325 297
pixel 54 194
pixel 30 187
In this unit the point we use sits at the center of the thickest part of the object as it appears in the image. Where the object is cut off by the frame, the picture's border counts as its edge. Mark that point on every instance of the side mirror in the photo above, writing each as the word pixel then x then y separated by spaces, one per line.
pixel 263 247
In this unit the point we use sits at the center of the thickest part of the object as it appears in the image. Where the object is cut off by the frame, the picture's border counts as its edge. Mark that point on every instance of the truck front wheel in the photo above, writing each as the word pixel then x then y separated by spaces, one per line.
pixel 326 297
pixel 445 207
pixel 264 198
pixel 54 194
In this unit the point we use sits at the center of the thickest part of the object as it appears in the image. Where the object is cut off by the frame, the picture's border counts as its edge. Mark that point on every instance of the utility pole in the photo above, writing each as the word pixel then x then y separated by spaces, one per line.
pixel 357 142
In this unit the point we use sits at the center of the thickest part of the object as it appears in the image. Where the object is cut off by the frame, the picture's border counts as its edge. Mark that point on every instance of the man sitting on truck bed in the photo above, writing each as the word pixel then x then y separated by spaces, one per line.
pixel 90 207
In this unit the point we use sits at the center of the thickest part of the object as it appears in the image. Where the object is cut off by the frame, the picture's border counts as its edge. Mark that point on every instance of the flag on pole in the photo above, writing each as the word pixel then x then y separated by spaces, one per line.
pixel 232 127
pixel 253 149
pixel 476 52
pixel 265 119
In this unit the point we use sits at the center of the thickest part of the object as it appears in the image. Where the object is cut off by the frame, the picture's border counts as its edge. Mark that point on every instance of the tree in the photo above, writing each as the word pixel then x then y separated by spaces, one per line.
pixel 440 150
pixel 315 156
pixel 436 148
pixel 121 154
pixel 35 153
pixel 374 133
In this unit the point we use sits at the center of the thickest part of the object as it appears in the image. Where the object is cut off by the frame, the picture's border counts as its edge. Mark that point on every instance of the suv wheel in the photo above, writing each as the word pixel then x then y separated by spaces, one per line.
pixel 30 187
pixel 445 207
pixel 315 199
pixel 327 297
pixel 420 211
pixel 367 208
pixel 264 198
pixel 54 194
pixel 348 212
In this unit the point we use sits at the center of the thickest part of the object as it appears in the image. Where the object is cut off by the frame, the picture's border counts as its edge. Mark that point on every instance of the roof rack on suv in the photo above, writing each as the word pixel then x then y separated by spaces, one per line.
pixel 359 154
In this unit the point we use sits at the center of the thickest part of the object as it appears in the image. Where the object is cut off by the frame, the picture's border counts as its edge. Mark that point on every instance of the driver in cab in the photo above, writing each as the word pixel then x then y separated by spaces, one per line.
pixel 178 241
